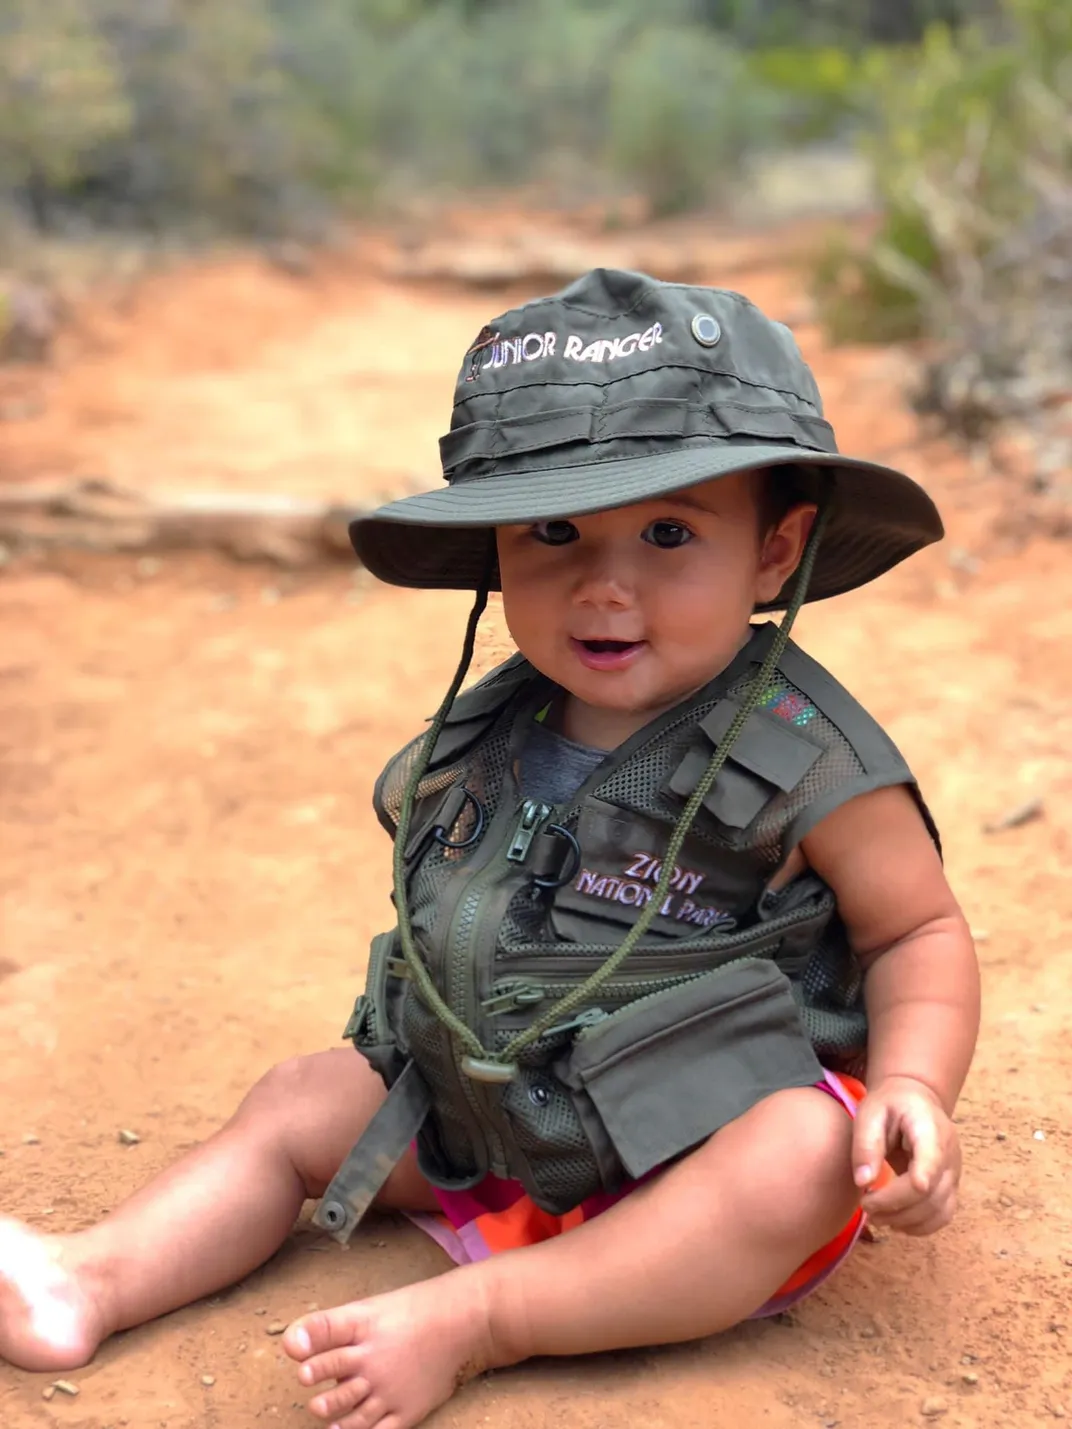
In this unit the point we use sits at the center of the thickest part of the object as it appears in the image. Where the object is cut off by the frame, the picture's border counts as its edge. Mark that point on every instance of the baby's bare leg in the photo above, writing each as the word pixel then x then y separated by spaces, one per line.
pixel 690 1253
pixel 209 1219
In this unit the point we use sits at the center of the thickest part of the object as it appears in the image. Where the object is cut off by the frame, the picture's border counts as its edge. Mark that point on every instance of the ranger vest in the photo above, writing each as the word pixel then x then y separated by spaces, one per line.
pixel 734 992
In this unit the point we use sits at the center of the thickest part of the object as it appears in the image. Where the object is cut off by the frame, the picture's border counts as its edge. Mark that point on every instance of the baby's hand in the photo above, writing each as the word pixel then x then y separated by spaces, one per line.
pixel 903 1121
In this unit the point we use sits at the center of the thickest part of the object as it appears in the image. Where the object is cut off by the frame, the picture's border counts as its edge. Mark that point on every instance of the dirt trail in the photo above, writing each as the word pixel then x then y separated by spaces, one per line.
pixel 190 870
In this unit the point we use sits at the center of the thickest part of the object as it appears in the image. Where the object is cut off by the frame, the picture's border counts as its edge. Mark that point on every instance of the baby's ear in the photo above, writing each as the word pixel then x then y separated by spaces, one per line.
pixel 782 549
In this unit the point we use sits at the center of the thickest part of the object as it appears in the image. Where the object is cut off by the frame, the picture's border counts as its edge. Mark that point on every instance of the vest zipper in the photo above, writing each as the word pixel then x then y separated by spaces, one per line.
pixel 636 1003
pixel 480 909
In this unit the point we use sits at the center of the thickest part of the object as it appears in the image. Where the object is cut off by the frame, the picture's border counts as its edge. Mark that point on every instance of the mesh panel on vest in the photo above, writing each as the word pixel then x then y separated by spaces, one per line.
pixel 549 1135
pixel 638 784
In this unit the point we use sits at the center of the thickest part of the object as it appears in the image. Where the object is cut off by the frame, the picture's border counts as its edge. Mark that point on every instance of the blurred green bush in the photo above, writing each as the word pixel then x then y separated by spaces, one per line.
pixel 970 140
pixel 263 116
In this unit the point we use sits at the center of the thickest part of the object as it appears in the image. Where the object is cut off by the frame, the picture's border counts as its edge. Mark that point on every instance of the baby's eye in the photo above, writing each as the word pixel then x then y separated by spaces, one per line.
pixel 666 534
pixel 555 533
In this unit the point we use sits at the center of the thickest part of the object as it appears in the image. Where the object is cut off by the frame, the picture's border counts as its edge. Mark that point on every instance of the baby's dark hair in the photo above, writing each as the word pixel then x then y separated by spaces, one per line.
pixel 780 489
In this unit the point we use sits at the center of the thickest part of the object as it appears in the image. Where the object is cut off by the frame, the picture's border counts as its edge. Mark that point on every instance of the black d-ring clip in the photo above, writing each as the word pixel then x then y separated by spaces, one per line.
pixel 572 863
pixel 439 833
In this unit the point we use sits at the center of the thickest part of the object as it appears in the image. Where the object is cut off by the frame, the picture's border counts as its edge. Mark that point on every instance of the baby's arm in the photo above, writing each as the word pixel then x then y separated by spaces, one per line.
pixel 921 987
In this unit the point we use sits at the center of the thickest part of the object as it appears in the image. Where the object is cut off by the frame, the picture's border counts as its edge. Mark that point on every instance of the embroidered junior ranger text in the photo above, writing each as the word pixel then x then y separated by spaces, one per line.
pixel 534 346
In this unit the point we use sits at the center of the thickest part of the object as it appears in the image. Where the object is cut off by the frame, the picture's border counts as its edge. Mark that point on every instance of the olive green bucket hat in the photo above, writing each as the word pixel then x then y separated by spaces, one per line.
pixel 622 388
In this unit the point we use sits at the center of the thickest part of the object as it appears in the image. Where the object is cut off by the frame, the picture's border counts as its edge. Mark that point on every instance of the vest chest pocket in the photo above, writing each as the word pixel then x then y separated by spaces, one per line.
pixel 660 1077
pixel 621 860
pixel 769 757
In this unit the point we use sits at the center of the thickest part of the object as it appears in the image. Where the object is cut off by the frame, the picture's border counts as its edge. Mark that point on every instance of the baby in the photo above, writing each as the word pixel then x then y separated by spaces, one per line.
pixel 668 899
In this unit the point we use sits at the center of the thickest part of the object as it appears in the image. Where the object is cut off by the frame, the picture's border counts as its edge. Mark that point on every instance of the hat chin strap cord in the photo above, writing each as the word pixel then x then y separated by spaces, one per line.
pixel 501 1067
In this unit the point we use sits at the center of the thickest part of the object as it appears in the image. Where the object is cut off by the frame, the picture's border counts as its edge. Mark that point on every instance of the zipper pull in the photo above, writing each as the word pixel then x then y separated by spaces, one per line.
pixel 588 1018
pixel 534 815
pixel 358 1018
pixel 510 998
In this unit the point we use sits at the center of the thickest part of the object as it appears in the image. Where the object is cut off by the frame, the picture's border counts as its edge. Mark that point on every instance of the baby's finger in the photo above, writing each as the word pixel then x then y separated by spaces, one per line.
pixel 895 1197
pixel 924 1214
pixel 920 1132
pixel 869 1139
pixel 923 1219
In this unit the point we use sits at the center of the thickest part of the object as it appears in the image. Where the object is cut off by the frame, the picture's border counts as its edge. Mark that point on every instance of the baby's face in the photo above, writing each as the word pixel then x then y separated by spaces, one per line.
pixel 632 610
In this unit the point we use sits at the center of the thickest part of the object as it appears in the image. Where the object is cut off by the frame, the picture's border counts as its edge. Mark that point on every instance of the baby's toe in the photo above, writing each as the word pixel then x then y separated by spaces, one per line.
pixel 370 1415
pixel 323 1330
pixel 340 1403
pixel 336 1364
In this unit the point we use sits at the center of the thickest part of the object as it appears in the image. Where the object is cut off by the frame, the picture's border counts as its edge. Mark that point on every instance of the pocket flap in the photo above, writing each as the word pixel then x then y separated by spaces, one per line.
pixel 767 745
pixel 767 756
pixel 669 1072
pixel 475 709
pixel 737 797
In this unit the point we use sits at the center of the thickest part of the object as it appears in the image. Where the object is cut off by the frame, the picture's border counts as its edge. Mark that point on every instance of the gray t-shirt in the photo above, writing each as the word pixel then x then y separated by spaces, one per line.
pixel 553 767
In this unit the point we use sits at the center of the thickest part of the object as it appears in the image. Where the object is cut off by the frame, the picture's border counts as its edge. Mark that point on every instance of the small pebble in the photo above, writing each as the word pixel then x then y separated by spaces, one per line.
pixel 260 1310
pixel 275 1328
pixel 1000 1136
pixel 970 1377
pixel 48 1392
pixel 932 1407
pixel 1005 1200
pixel 208 1380
pixel 31 1140
pixel 1039 1135
pixel 64 1386
pixel 129 1138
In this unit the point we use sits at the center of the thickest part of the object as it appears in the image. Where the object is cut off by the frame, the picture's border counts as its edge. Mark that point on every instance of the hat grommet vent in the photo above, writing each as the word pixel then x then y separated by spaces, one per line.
pixel 705 329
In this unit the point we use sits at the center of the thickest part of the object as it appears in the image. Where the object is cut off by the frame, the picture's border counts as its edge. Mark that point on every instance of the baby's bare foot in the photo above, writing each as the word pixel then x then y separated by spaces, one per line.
pixel 395 1357
pixel 49 1317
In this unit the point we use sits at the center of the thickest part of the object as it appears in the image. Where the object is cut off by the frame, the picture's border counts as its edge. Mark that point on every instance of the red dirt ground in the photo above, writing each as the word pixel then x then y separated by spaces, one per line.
pixel 190 869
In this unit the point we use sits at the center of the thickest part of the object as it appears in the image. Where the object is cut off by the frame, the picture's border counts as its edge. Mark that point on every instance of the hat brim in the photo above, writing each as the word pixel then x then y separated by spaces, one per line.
pixel 439 540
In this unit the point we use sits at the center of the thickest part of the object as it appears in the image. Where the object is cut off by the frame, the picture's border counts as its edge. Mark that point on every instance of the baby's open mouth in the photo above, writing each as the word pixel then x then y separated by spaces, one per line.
pixel 607 654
